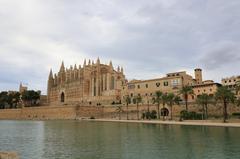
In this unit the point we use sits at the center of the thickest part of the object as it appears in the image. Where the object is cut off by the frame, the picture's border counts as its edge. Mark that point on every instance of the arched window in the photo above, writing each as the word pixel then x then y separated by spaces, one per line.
pixel 62 97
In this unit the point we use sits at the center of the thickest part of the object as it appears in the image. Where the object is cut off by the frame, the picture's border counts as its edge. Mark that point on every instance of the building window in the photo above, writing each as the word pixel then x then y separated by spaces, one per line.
pixel 210 90
pixel 157 84
pixel 131 86
pixel 165 83
pixel 138 86
pixel 204 90
pixel 146 94
pixel 146 85
pixel 131 94
pixel 198 91
pixel 175 82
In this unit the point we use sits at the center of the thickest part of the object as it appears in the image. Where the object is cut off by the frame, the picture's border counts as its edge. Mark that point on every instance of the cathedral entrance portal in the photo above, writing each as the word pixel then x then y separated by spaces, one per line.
pixel 62 97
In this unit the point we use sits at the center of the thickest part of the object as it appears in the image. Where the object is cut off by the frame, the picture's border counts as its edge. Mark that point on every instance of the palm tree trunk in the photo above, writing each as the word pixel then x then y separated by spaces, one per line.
pixel 148 107
pixel 225 116
pixel 206 109
pixel 203 111
pixel 171 112
pixel 186 103
pixel 127 112
pixel 158 109
pixel 163 112
pixel 137 112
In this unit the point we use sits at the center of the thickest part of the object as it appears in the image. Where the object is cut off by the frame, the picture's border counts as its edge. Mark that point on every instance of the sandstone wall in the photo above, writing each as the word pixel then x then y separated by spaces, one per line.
pixel 78 112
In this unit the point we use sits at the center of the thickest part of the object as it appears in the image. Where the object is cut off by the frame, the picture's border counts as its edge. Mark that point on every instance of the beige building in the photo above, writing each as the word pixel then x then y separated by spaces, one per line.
pixel 231 82
pixel 92 84
pixel 172 82
pixel 207 87
pixel 22 88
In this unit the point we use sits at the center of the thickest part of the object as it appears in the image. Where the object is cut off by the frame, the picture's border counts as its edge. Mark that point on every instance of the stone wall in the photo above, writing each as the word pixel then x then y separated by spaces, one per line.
pixel 79 112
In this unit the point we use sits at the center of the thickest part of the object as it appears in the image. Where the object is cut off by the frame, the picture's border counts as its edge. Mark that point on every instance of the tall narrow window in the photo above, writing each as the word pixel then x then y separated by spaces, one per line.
pixel 112 82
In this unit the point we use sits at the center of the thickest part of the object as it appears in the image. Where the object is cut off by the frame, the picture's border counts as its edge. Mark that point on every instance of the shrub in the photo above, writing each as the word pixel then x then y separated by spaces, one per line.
pixel 153 114
pixel 150 115
pixel 190 115
pixel 236 114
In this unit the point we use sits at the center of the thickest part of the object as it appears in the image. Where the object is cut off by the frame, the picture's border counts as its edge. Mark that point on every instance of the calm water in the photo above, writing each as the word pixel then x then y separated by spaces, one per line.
pixel 103 140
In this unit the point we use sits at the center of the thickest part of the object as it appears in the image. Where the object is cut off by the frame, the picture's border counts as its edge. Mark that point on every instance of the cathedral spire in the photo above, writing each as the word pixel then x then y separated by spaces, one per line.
pixel 121 69
pixel 98 60
pixel 84 64
pixel 50 75
pixel 75 67
pixel 110 64
pixel 89 62
pixel 62 69
pixel 118 69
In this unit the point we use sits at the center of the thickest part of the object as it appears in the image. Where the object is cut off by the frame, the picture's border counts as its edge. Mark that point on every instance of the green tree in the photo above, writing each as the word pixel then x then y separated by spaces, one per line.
pixel 128 101
pixel 138 100
pixel 13 99
pixel 225 96
pixel 157 99
pixel 237 87
pixel 204 100
pixel 171 100
pixel 164 101
pixel 186 91
pixel 31 97
pixel 3 99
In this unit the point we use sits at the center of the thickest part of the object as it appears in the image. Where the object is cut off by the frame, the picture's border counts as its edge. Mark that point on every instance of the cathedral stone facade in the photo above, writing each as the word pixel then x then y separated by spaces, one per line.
pixel 91 84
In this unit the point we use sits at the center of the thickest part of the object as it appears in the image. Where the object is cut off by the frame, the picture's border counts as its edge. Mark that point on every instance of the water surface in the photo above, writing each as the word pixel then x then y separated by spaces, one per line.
pixel 106 140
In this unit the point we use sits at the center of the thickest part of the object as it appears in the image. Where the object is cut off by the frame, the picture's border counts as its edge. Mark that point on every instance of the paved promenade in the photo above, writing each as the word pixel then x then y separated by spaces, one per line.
pixel 196 122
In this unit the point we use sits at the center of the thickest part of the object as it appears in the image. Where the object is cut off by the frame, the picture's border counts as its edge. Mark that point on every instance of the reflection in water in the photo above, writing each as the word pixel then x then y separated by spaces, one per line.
pixel 105 140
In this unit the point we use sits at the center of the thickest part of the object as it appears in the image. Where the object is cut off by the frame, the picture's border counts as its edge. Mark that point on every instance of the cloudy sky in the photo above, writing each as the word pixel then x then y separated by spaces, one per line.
pixel 149 38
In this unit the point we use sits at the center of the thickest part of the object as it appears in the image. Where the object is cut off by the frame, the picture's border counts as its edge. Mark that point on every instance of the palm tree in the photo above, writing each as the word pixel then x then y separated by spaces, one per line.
pixel 128 101
pixel 237 87
pixel 186 91
pixel 204 100
pixel 238 102
pixel 171 100
pixel 158 99
pixel 138 99
pixel 164 101
pixel 225 96
pixel 119 110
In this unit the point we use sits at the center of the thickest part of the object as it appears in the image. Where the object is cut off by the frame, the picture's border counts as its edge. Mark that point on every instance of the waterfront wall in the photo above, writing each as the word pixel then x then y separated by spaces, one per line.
pixel 51 112
pixel 79 112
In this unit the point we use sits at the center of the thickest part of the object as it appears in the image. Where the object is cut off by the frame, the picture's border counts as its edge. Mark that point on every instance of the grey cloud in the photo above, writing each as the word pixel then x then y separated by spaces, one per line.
pixel 222 55
pixel 148 38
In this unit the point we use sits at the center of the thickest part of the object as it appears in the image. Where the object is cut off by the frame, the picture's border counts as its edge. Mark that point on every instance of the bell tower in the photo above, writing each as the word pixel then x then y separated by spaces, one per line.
pixel 198 75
